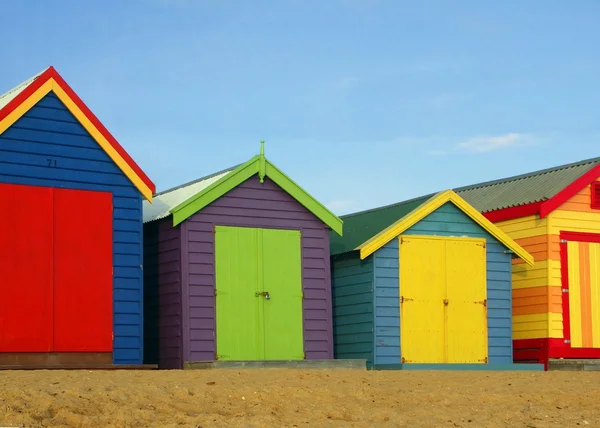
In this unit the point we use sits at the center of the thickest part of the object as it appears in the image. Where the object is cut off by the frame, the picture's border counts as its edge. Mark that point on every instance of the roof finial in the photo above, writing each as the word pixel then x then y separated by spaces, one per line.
pixel 262 164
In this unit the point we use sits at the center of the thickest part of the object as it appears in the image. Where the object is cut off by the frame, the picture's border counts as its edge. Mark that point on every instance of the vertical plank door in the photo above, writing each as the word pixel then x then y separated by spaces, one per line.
pixel 422 289
pixel 466 311
pixel 584 293
pixel 238 323
pixel 281 262
pixel 83 277
pixel 25 268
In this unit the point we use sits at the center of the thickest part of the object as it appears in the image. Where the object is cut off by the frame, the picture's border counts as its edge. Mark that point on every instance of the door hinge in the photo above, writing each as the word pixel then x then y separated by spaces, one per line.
pixel 565 290
pixel 482 302
pixel 563 241
pixel 403 299
pixel 567 341
pixel 141 267
pixel 485 360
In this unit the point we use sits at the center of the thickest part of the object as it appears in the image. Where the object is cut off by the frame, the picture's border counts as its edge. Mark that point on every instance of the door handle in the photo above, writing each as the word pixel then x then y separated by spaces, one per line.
pixel 265 294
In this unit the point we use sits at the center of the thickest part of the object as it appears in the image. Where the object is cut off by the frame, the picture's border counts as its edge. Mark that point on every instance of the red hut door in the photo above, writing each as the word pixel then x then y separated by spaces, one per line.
pixel 55 270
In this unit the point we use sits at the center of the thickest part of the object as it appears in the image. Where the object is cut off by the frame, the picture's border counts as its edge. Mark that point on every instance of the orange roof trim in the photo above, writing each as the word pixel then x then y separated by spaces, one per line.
pixel 30 93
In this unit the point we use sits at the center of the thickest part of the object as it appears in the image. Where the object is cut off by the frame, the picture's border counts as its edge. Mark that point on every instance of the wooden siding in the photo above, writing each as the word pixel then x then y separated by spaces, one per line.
pixel 266 205
pixel 533 292
pixel 448 220
pixel 387 304
pixel 48 132
pixel 162 295
pixel 575 215
pixel 352 291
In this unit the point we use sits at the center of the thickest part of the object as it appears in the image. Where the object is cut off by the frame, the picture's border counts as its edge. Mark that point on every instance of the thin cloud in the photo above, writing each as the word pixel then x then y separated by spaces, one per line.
pixel 340 206
pixel 490 144
pixel 486 144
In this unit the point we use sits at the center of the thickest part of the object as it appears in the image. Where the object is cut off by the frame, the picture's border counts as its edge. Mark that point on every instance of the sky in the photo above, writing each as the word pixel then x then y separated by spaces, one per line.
pixel 362 103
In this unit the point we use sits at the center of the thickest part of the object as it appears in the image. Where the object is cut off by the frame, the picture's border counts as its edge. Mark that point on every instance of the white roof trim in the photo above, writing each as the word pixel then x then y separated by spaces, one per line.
pixel 164 202
pixel 14 92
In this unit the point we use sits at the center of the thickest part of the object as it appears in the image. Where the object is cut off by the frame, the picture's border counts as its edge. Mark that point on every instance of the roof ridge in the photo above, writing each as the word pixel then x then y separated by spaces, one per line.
pixel 389 206
pixel 197 180
pixel 526 175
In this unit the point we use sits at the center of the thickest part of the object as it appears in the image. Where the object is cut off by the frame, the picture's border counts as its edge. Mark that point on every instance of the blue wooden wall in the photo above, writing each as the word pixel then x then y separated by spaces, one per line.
pixel 352 297
pixel 448 220
pixel 50 131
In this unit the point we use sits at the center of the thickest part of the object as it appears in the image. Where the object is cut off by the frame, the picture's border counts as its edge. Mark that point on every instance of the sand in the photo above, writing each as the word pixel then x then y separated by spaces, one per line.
pixel 309 398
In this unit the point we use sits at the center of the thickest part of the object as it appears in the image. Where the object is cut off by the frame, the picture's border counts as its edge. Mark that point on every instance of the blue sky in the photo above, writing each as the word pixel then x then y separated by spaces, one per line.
pixel 363 103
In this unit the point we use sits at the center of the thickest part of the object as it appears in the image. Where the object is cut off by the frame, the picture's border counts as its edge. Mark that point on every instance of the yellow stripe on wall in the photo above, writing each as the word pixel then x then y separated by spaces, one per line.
pixel 524 227
pixel 543 273
pixel 538 326
pixel 563 220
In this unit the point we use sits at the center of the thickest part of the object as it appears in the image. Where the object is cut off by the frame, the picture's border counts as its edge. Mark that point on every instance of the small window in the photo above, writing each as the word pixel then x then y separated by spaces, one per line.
pixel 596 195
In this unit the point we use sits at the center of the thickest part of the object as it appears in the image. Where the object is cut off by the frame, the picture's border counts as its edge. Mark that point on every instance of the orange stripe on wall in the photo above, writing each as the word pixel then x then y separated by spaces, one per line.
pixel 541 247
pixel 537 300
pixel 581 202
pixel 586 297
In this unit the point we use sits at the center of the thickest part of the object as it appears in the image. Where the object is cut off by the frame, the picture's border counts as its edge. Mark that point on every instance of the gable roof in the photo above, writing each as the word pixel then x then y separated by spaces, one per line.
pixel 16 102
pixel 537 192
pixel 184 201
pixel 382 225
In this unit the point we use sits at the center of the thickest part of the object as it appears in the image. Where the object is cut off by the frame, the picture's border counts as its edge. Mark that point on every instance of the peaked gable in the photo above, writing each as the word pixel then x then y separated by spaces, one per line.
pixel 429 206
pixel 209 190
pixel 18 101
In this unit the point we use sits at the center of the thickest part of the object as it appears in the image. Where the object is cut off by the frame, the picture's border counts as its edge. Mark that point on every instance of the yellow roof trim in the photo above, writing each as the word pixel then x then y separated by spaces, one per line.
pixel 382 238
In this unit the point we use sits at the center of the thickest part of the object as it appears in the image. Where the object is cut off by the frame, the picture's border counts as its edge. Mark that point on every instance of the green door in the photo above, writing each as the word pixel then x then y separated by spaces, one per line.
pixel 258 294
pixel 282 279
pixel 237 275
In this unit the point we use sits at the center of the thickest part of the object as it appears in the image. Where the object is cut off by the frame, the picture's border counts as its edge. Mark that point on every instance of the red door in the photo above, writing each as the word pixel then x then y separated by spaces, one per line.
pixel 25 269
pixel 55 270
pixel 83 301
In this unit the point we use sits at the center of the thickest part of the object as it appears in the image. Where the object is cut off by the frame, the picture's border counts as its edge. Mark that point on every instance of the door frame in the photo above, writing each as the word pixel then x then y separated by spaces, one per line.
pixel 561 348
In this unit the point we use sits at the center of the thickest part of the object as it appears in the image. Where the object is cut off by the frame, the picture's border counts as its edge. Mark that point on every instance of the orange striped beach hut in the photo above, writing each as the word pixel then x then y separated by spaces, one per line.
pixel 555 215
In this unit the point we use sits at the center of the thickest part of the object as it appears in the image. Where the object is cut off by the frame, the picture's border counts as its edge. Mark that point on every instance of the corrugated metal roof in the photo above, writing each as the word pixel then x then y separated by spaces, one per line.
pixel 526 188
pixel 164 202
pixel 488 196
pixel 12 94
pixel 361 226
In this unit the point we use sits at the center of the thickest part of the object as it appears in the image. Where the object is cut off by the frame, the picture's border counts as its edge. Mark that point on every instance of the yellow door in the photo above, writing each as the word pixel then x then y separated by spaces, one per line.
pixel 443 312
pixel 466 304
pixel 584 293
pixel 421 295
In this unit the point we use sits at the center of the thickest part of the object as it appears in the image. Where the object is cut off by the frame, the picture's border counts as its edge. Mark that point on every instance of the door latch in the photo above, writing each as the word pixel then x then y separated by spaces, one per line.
pixel 265 294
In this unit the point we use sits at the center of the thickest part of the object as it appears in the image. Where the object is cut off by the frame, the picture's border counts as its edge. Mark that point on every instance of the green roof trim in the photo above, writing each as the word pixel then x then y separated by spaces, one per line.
pixel 263 167
pixel 362 226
